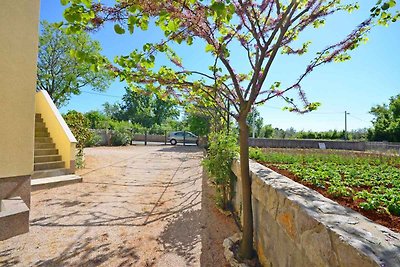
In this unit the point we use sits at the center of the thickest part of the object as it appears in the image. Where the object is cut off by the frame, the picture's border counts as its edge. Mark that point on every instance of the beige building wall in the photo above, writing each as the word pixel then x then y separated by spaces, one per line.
pixel 19 21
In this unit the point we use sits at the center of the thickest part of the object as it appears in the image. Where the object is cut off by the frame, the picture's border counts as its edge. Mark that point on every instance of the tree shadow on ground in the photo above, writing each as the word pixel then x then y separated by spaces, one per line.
pixel 182 235
pixel 216 226
pixel 82 252
pixel 181 149
pixel 91 216
pixel 206 225
pixel 6 260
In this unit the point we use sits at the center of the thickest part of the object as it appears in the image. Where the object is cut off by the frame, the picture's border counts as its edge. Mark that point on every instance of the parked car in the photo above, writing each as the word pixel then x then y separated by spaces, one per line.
pixel 183 136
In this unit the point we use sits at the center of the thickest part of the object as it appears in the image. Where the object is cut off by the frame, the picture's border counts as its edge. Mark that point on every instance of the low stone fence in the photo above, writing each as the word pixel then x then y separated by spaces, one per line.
pixel 105 135
pixel 305 143
pixel 328 144
pixel 150 137
pixel 297 226
pixel 383 146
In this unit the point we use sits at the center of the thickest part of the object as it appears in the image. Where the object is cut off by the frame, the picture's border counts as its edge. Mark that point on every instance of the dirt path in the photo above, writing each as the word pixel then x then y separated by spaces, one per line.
pixel 137 206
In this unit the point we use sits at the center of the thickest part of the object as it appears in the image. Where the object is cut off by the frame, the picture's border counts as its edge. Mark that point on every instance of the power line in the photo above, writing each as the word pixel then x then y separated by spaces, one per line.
pixel 313 112
pixel 95 93
pixel 358 118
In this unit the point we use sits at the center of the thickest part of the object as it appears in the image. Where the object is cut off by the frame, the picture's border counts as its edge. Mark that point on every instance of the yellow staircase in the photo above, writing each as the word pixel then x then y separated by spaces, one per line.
pixel 49 169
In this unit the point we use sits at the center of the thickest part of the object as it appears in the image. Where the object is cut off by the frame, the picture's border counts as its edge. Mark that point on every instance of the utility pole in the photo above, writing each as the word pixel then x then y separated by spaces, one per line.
pixel 254 122
pixel 228 116
pixel 345 124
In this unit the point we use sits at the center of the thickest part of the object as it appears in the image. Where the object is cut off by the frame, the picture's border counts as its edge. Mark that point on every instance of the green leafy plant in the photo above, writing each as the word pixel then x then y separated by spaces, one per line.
pixel 373 179
pixel 222 150
pixel 79 126
pixel 93 140
pixel 121 133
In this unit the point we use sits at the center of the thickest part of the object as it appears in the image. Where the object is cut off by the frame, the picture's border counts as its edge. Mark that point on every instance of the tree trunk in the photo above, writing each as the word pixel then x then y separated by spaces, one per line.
pixel 246 246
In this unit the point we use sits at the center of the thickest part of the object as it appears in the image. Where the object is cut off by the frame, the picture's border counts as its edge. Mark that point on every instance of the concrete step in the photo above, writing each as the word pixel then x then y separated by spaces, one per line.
pixel 45 145
pixel 48 165
pixel 39 125
pixel 42 134
pixel 46 151
pixel 43 140
pixel 47 158
pixel 50 182
pixel 13 212
pixel 40 128
pixel 49 173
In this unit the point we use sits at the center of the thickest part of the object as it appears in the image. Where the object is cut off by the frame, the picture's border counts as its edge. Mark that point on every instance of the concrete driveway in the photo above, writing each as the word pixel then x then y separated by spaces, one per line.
pixel 137 206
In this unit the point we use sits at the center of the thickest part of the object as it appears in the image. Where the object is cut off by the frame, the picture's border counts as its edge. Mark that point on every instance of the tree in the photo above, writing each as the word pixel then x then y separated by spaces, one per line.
pixel 60 72
pixel 111 110
pixel 261 29
pixel 97 119
pixel 198 122
pixel 255 122
pixel 145 109
pixel 267 131
pixel 386 124
pixel 383 11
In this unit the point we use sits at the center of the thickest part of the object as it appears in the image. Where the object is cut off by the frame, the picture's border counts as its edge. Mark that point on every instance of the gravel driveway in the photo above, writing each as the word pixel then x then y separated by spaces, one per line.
pixel 136 206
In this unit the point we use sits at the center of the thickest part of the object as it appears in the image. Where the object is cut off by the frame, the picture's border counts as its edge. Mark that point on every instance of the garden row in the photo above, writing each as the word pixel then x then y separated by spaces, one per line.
pixel 370 181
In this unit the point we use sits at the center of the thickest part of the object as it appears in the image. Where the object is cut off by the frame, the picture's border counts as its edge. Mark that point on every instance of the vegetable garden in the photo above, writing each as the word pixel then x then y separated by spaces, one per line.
pixel 368 183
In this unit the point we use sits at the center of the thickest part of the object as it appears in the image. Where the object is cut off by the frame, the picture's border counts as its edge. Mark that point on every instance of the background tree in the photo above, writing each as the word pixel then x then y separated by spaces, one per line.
pixel 198 122
pixel 267 131
pixel 111 110
pixel 257 29
pixel 97 119
pixel 255 122
pixel 60 72
pixel 386 124
pixel 147 110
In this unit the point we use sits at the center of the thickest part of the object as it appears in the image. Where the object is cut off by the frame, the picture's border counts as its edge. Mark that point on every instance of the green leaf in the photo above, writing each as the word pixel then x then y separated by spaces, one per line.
pixel 209 48
pixel 72 16
pixel 118 29
pixel 64 2
pixel 87 3
pixel 189 40
pixel 385 6
pixel 218 8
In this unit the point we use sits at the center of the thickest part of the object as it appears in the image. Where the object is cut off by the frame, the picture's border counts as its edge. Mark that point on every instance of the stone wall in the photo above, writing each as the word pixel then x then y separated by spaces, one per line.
pixel 296 226
pixel 150 137
pixel 304 143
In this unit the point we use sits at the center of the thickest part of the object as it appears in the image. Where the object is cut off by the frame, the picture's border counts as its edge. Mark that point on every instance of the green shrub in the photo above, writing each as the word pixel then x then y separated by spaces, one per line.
pixel 79 126
pixel 120 138
pixel 222 150
pixel 121 133
pixel 93 140
pixel 257 154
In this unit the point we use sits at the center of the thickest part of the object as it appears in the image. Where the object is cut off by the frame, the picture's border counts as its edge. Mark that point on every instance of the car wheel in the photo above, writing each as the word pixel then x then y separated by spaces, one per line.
pixel 197 142
pixel 173 142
